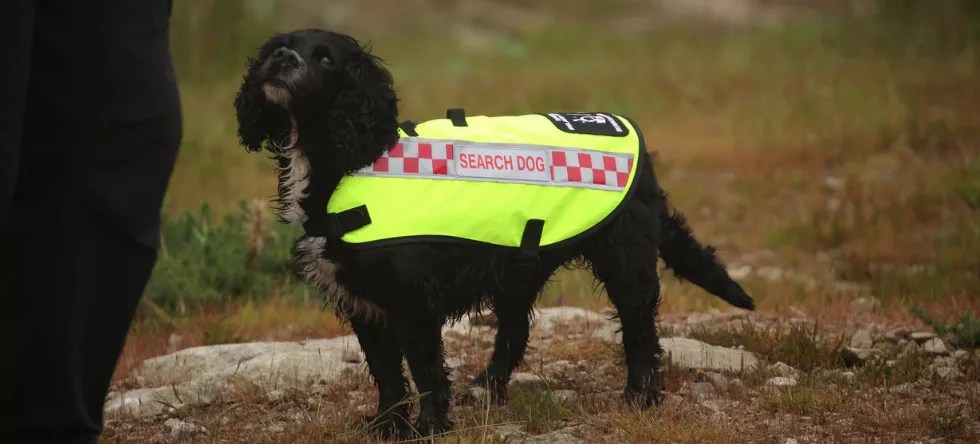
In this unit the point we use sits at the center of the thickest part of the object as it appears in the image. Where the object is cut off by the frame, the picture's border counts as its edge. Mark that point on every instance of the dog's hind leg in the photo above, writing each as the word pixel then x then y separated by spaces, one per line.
pixel 384 359
pixel 624 259
pixel 513 309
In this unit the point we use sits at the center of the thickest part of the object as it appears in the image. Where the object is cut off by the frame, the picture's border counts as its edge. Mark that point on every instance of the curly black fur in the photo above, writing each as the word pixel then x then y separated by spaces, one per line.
pixel 338 118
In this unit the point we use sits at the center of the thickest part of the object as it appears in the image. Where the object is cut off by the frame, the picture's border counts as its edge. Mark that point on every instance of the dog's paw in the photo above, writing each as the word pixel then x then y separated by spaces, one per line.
pixel 387 426
pixel 643 399
pixel 427 427
pixel 484 386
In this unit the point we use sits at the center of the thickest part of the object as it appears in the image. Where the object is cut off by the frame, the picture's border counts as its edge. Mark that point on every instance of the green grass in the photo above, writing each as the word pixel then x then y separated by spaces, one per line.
pixel 205 259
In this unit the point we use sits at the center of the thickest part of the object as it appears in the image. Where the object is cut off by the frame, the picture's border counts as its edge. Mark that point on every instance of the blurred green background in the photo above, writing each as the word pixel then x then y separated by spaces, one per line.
pixel 836 138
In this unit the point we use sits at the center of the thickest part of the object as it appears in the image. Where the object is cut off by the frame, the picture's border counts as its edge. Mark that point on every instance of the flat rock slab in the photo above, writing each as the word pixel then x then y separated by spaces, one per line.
pixel 693 354
pixel 207 374
pixel 201 375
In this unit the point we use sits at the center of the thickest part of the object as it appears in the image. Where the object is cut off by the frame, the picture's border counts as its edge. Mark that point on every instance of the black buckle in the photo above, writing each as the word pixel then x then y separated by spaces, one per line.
pixel 335 225
pixel 530 241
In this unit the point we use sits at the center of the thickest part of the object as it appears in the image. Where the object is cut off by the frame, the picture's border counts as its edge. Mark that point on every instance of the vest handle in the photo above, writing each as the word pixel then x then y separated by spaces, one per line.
pixel 457 116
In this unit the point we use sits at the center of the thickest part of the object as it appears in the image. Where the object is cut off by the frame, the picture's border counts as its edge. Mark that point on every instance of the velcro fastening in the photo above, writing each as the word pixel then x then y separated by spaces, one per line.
pixel 530 240
pixel 457 115
pixel 335 225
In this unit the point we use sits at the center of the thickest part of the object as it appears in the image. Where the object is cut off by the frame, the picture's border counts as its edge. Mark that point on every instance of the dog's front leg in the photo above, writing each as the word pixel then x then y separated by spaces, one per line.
pixel 421 336
pixel 384 358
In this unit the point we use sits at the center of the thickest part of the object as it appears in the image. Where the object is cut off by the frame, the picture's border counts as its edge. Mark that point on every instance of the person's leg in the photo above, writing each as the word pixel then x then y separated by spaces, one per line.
pixel 100 141
pixel 16 34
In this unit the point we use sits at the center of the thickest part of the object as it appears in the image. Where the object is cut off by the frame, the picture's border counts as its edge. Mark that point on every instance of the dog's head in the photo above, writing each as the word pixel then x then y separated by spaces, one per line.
pixel 322 89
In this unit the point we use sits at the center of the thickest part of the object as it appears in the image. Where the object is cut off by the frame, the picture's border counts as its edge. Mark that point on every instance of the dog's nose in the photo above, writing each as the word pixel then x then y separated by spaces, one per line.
pixel 285 56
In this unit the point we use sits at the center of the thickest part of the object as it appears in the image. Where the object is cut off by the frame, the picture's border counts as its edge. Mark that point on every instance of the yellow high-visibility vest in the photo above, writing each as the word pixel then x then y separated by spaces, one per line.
pixel 532 181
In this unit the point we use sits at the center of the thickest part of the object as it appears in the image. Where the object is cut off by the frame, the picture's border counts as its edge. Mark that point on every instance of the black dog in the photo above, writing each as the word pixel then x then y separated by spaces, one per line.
pixel 325 107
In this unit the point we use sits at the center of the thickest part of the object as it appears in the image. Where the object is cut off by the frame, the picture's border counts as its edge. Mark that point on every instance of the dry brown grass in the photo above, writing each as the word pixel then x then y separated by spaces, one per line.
pixel 842 154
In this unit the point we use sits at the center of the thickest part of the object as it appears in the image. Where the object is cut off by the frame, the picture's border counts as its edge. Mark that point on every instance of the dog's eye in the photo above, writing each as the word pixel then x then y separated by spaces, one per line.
pixel 326 60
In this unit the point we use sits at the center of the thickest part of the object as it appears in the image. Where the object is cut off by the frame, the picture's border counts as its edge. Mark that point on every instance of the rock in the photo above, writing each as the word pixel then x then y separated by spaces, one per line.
pixel 921 336
pixel 862 339
pixel 526 381
pixel 783 369
pixel 848 375
pixel 453 362
pixel 864 305
pixel 948 373
pixel 201 375
pixel 693 354
pixel 174 342
pixel 712 405
pixel 546 319
pixel 702 390
pixel 961 355
pixel 276 428
pixel 833 183
pixel 476 394
pixel 910 348
pixel 558 368
pixel 719 380
pixel 896 334
pixel 353 356
pixel 509 431
pixel 858 356
pixel 935 347
pixel 275 395
pixel 565 396
pixel 781 381
pixel 180 430
pixel 906 388
pixel 564 436
pixel 791 441
pixel 484 319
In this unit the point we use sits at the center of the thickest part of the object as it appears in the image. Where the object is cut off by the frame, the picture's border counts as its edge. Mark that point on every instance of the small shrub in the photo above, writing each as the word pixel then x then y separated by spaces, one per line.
pixel 906 369
pixel 797 400
pixel 203 260
pixel 540 411
pixel 964 334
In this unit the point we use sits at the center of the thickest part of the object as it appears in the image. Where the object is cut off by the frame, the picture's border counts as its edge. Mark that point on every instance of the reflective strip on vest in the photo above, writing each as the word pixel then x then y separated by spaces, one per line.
pixel 502 162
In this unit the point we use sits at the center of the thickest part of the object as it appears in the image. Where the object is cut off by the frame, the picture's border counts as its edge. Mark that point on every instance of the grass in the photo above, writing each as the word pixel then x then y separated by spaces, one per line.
pixel 798 346
pixel 835 157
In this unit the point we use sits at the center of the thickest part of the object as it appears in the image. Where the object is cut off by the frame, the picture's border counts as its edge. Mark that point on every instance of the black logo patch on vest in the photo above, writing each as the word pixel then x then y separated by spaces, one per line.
pixel 599 124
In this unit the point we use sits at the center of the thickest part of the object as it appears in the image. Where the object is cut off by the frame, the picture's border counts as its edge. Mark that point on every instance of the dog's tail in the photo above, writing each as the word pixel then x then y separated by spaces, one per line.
pixel 696 263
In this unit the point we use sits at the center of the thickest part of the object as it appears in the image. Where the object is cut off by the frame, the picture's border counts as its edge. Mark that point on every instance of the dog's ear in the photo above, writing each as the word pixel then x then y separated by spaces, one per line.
pixel 367 107
pixel 257 118
pixel 249 108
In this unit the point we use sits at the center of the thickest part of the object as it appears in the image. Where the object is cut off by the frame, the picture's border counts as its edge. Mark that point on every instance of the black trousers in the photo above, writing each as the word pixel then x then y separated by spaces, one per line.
pixel 90 125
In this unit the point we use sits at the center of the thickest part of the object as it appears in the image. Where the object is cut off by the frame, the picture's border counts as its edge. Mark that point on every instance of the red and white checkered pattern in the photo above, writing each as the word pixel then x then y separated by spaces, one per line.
pixel 590 168
pixel 575 167
pixel 416 158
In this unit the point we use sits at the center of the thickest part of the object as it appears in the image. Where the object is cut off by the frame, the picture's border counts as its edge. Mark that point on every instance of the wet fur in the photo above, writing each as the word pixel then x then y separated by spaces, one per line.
pixel 397 298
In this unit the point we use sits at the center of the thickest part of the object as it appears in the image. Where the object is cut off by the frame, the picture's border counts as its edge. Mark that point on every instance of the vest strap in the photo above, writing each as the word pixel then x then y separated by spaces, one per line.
pixel 530 240
pixel 335 225
pixel 457 115
pixel 408 127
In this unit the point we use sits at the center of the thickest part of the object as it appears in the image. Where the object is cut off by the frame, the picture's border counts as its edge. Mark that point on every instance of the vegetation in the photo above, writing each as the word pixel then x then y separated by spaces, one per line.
pixel 840 151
